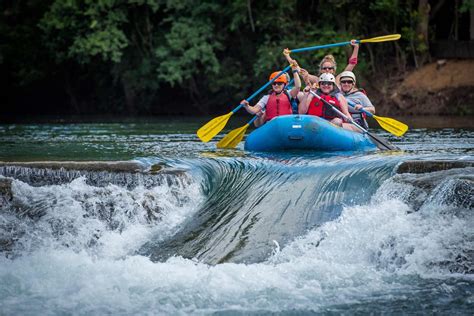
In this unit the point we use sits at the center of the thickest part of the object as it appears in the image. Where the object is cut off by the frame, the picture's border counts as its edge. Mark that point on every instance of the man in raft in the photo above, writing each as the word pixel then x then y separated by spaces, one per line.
pixel 278 100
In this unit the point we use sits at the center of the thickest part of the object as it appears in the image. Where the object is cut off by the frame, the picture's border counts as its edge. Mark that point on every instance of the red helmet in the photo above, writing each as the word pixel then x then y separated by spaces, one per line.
pixel 282 77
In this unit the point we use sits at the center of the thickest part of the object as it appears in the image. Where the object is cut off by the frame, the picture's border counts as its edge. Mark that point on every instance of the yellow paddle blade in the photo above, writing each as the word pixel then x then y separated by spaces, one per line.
pixel 213 127
pixel 393 126
pixel 384 38
pixel 234 137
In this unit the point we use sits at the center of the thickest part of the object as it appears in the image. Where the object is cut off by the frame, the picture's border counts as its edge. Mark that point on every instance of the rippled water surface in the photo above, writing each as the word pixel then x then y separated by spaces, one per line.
pixel 175 137
pixel 230 231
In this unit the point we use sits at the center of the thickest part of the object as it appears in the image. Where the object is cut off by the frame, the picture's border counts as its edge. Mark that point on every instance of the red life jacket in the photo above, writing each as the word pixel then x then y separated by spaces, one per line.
pixel 319 108
pixel 278 105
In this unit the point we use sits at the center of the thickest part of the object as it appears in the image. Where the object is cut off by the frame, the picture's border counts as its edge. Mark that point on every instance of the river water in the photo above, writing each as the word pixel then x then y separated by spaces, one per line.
pixel 229 231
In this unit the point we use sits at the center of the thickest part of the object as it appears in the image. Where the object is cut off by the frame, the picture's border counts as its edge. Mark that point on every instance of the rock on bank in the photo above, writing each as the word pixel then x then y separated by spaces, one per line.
pixel 445 87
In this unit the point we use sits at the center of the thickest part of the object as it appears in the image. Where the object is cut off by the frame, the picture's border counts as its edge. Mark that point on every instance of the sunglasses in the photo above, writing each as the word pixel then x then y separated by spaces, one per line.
pixel 327 68
pixel 326 83
pixel 277 83
pixel 347 81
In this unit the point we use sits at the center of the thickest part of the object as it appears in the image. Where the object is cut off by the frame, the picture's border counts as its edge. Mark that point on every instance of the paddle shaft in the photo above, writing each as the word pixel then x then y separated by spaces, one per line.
pixel 392 37
pixel 339 112
pixel 391 125
pixel 352 105
pixel 235 136
pixel 320 46
pixel 350 120
pixel 252 120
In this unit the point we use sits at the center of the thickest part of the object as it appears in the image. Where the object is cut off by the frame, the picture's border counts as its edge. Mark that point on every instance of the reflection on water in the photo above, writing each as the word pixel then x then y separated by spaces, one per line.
pixel 437 121
pixel 175 137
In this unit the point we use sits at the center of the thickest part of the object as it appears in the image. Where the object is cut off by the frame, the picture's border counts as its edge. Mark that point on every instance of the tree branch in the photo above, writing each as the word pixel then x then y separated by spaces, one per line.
pixel 249 9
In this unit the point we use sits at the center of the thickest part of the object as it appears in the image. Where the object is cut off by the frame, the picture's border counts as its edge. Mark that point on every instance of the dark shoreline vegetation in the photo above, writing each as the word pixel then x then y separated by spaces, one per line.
pixel 139 58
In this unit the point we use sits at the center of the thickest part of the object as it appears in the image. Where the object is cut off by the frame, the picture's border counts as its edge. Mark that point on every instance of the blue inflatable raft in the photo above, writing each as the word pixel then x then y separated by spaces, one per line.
pixel 305 132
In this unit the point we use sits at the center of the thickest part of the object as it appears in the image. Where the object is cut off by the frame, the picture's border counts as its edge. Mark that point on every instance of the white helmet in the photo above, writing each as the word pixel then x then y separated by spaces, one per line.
pixel 348 74
pixel 327 77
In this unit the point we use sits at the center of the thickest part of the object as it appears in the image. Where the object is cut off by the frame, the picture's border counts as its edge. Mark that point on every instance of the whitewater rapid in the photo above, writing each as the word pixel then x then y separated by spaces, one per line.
pixel 87 248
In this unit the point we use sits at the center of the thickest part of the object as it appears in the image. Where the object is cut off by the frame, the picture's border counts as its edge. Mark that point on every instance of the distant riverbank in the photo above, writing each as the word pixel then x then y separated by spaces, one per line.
pixel 443 87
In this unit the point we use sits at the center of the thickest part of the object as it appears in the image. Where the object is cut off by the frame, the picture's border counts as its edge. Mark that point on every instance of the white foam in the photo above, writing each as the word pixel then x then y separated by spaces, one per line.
pixel 379 250
pixel 301 276
pixel 107 221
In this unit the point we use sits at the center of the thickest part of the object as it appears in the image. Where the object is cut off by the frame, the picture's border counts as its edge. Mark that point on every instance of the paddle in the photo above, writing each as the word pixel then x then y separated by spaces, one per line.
pixel 379 142
pixel 390 125
pixel 235 136
pixel 214 126
pixel 379 39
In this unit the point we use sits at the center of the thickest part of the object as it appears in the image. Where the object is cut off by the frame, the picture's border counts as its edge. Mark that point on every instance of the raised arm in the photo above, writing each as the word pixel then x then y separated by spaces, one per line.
pixel 286 53
pixel 297 81
pixel 308 78
pixel 353 59
pixel 295 68
pixel 305 75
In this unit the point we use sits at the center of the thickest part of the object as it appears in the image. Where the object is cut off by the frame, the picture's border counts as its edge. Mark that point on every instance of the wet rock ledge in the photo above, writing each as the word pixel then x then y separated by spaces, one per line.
pixel 98 173
pixel 110 166
pixel 426 166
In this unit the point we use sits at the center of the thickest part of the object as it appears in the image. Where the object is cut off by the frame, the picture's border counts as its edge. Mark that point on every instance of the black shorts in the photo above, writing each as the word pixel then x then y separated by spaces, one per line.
pixel 362 122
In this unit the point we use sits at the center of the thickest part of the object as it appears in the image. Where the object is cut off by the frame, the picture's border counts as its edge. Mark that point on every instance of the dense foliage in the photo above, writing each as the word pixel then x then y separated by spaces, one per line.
pixel 184 56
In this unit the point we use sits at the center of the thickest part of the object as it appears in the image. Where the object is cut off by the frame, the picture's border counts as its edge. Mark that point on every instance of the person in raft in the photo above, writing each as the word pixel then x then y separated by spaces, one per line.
pixel 329 92
pixel 328 65
pixel 357 97
pixel 300 96
pixel 278 100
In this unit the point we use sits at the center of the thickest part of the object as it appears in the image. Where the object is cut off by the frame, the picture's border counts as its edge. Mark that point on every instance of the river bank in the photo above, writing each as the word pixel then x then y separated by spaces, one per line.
pixel 443 87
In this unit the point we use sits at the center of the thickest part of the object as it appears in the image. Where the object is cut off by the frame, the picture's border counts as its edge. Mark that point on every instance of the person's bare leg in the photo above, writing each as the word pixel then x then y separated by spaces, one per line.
pixel 351 127
pixel 337 121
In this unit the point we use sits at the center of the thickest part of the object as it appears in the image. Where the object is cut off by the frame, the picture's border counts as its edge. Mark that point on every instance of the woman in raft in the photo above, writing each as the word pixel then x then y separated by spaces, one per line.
pixel 328 91
pixel 328 65
pixel 278 100
pixel 357 97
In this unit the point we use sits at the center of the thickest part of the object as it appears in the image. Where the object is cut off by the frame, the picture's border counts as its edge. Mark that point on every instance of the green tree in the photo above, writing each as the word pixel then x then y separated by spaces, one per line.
pixel 161 56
